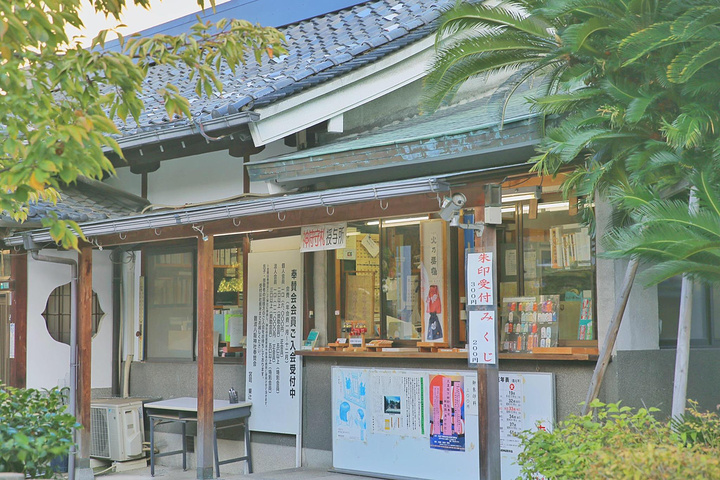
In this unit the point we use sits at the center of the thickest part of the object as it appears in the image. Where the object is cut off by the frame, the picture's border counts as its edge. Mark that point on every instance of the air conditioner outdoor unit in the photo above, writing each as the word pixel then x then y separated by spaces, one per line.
pixel 117 429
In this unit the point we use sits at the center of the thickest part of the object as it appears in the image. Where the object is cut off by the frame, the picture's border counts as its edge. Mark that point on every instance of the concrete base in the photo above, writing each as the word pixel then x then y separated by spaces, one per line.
pixel 83 471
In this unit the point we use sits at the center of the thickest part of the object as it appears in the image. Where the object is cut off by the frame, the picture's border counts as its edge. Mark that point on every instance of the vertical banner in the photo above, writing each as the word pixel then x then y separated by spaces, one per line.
pixel 481 288
pixel 432 235
pixel 481 337
pixel 275 324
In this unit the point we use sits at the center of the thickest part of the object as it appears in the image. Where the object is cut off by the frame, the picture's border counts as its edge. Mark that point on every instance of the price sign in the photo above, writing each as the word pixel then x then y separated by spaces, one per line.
pixel 481 290
pixel 482 344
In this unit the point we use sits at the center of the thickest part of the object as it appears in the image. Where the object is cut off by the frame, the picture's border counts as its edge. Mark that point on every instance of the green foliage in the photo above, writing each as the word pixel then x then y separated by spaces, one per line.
pixel 60 101
pixel 634 109
pixel 615 442
pixel 34 429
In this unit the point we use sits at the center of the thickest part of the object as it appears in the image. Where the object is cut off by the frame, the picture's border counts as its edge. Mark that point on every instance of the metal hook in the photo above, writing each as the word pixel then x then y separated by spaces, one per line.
pixel 16 248
pixel 157 232
pixel 239 221
pixel 122 236
pixel 387 204
pixel 330 209
pixel 283 217
pixel 440 201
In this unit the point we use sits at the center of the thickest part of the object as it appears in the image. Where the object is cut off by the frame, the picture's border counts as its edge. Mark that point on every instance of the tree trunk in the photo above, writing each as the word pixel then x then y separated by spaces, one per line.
pixel 682 355
pixel 611 336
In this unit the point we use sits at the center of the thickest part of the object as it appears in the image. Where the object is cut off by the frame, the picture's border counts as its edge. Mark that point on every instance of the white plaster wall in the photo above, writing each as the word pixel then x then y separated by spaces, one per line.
pixel 639 329
pixel 198 178
pixel 48 361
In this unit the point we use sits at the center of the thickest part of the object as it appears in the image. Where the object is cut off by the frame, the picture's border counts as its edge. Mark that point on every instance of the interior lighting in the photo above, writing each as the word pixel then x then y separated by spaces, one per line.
pixel 395 221
pixel 521 194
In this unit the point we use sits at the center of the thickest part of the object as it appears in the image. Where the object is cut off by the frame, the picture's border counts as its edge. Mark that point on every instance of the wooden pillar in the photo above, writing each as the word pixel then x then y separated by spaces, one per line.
pixel 18 365
pixel 204 451
pixel 84 345
pixel 488 390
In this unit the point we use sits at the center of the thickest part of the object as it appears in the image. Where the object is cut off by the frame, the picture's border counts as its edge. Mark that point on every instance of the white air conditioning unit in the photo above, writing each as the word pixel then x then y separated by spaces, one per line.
pixel 117 429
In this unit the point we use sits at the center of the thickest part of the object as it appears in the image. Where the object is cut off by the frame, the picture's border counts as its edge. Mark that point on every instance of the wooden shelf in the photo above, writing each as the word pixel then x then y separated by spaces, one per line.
pixel 443 355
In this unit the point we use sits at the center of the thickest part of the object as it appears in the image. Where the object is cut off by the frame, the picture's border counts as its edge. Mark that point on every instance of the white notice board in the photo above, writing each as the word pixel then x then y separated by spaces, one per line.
pixel 526 401
pixel 423 424
pixel 274 331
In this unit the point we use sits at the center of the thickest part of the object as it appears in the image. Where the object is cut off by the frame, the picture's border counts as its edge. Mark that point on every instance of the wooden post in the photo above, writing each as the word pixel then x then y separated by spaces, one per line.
pixel 18 365
pixel 84 345
pixel 488 389
pixel 611 336
pixel 205 424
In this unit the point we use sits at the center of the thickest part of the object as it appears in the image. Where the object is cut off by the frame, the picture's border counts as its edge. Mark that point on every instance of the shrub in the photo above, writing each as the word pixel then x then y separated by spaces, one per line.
pixel 615 442
pixel 34 429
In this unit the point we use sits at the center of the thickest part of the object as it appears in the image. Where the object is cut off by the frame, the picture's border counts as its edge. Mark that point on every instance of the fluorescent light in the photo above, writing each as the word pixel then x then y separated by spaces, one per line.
pixel 395 221
pixel 243 232
pixel 507 209
pixel 554 206
pixel 517 197
pixel 520 194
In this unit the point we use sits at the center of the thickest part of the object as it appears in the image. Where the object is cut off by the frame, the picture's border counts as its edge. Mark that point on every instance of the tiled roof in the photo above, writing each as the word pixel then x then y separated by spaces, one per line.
pixel 84 201
pixel 466 128
pixel 319 49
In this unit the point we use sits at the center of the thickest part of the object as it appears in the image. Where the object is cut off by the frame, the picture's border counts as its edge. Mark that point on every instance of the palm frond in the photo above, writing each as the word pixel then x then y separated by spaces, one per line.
pixel 639 44
pixel 474 16
pixel 688 62
pixel 563 102
pixel 439 89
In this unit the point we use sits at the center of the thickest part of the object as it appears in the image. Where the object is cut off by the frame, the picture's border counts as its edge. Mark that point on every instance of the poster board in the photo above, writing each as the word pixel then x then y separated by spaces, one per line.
pixel 384 421
pixel 274 332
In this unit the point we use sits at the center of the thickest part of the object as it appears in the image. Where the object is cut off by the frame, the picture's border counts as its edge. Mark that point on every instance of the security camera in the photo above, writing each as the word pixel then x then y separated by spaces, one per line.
pixel 451 206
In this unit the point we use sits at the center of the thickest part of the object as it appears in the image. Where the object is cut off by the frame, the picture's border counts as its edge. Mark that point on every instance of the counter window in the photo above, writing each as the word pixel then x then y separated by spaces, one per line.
pixel 547 290
pixel 379 280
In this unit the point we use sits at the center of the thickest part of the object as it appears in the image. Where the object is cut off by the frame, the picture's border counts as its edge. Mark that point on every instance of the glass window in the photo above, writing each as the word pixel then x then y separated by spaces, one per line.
pixel 170 304
pixel 359 275
pixel 228 299
pixel 402 315
pixel 705 316
pixel 546 293
pixel 57 313
pixel 379 280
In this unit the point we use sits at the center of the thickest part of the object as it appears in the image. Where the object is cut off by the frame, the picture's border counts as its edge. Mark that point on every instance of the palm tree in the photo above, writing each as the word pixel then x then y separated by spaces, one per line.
pixel 635 85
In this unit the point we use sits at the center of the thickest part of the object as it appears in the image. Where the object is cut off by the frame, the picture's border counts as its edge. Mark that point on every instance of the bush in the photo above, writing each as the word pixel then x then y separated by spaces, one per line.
pixel 34 429
pixel 615 442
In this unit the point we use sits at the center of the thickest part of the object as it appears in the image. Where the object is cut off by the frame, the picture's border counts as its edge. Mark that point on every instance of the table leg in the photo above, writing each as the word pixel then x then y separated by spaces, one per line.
pixel 152 447
pixel 217 456
pixel 247 445
pixel 184 447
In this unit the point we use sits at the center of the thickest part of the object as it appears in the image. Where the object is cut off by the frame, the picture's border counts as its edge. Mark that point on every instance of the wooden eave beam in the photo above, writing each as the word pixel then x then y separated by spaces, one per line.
pixel 407 205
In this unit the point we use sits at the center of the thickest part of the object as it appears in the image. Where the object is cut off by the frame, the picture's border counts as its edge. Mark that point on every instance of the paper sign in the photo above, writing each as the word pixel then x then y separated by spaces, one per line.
pixel 482 343
pixel 330 236
pixel 481 290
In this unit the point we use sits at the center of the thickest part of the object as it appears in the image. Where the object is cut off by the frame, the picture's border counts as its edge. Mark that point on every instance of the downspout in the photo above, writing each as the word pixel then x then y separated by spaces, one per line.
pixel 73 342
pixel 117 287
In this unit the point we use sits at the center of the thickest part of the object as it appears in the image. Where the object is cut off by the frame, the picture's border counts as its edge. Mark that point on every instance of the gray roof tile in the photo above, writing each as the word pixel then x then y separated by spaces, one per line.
pixel 330 44
pixel 84 201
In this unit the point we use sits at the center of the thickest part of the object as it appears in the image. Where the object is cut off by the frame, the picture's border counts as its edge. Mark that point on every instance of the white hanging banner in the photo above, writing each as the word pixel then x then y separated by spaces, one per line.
pixel 275 324
pixel 330 236
pixel 481 337
pixel 481 289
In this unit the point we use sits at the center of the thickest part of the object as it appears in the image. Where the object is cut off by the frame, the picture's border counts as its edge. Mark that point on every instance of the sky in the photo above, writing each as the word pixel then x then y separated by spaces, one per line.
pixel 137 18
